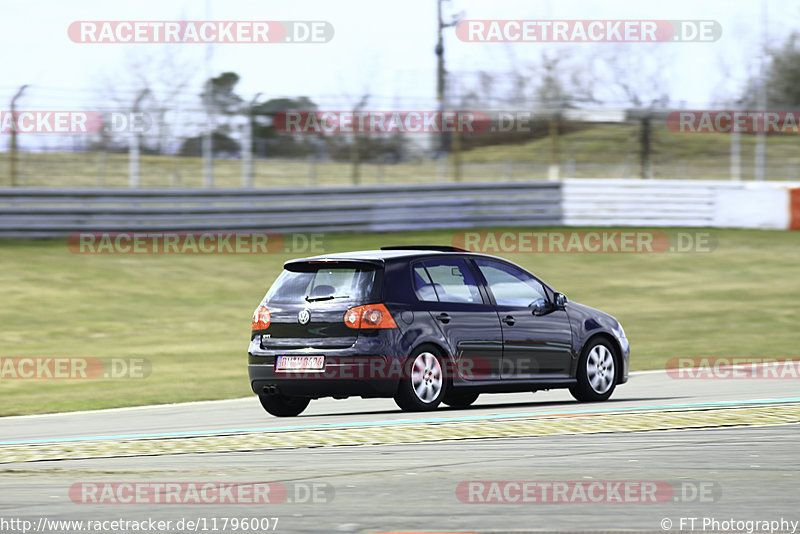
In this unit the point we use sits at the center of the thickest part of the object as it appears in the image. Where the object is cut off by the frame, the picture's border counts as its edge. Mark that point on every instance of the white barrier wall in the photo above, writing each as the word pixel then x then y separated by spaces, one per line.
pixel 752 207
pixel 722 204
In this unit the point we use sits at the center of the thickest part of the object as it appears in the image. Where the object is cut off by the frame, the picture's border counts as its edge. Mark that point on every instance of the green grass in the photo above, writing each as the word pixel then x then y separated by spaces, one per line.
pixel 602 151
pixel 616 148
pixel 190 315
pixel 95 170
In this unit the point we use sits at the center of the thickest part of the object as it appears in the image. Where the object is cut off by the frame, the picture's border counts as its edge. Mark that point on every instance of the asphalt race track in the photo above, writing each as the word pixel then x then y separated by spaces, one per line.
pixel 363 466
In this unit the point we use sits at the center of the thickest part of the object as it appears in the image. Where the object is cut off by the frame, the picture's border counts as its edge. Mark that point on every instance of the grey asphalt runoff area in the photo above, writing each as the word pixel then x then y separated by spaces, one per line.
pixel 643 390
pixel 724 475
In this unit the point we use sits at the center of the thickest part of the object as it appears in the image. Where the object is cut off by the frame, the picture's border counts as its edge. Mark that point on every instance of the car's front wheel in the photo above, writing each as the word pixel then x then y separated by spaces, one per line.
pixel 424 385
pixel 284 406
pixel 597 373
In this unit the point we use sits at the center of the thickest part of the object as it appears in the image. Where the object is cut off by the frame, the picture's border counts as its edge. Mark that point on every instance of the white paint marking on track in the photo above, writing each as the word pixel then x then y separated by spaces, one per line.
pixel 129 408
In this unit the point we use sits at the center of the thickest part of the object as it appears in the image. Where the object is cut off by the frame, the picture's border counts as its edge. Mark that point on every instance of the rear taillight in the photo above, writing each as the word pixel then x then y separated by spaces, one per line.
pixel 261 318
pixel 369 316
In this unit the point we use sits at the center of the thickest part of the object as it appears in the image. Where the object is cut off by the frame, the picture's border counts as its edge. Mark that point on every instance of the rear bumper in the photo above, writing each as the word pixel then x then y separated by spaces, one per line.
pixel 315 388
pixel 362 370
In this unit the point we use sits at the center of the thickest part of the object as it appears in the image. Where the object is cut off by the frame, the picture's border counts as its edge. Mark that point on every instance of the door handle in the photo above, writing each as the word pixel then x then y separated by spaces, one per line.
pixel 509 320
pixel 443 317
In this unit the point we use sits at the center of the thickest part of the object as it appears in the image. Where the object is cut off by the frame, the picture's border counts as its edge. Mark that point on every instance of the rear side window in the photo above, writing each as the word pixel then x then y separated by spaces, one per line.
pixel 445 280
pixel 319 283
pixel 423 286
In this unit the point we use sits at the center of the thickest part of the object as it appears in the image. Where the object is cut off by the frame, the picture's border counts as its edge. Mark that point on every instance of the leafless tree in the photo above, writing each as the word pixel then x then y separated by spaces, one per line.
pixel 165 74
pixel 636 75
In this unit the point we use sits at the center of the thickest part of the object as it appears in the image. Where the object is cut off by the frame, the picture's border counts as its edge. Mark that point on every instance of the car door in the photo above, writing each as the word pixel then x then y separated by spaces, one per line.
pixel 537 339
pixel 469 323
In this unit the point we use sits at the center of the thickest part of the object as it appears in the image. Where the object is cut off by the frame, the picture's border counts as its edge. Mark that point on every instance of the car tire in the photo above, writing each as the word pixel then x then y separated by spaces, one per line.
pixel 424 383
pixel 460 399
pixel 597 372
pixel 283 406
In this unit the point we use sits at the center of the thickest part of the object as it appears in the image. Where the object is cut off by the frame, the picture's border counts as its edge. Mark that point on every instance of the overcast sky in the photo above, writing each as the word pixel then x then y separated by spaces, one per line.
pixel 381 47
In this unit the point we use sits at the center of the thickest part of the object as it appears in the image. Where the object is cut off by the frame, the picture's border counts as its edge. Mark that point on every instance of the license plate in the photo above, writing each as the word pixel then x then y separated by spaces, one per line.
pixel 300 363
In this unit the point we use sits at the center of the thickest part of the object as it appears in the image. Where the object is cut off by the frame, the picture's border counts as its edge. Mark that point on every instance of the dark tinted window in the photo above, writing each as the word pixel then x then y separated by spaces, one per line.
pixel 449 280
pixel 345 283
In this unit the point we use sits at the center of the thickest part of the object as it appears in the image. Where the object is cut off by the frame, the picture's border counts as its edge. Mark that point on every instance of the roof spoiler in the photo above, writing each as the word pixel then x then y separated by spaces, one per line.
pixel 312 264
pixel 439 248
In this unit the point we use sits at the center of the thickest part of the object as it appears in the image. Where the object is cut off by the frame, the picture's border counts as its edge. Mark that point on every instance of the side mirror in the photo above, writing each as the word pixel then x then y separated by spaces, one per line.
pixel 540 307
pixel 560 301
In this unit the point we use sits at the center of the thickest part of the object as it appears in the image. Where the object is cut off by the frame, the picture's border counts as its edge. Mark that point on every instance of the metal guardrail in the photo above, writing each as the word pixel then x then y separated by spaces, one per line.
pixel 28 212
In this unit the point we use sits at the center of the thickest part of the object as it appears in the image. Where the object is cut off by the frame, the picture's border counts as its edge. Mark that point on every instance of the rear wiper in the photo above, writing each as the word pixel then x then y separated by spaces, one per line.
pixel 328 297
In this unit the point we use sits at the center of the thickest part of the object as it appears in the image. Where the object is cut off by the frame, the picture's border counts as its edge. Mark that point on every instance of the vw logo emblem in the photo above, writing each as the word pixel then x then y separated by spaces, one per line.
pixel 304 316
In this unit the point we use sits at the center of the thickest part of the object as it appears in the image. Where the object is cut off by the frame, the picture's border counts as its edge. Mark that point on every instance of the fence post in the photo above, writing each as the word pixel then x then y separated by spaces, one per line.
pixel 13 149
pixel 644 156
pixel 355 159
pixel 133 149
pixel 102 156
pixel 509 168
pixel 553 170
pixel 456 154
pixel 247 155
pixel 736 155
pixel 247 152
pixel 312 169
pixel 208 137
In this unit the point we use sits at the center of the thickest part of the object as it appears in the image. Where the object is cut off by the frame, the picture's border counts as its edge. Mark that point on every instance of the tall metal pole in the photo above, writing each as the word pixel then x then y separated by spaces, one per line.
pixel 13 148
pixel 441 92
pixel 439 50
pixel 208 146
pixel 761 142
pixel 440 65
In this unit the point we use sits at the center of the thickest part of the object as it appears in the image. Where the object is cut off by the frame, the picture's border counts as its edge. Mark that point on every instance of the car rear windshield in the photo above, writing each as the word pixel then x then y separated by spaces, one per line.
pixel 312 283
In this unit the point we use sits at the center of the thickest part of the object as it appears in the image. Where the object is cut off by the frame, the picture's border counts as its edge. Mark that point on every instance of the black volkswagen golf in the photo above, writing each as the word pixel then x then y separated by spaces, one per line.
pixel 425 325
